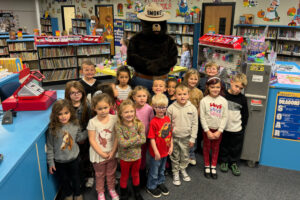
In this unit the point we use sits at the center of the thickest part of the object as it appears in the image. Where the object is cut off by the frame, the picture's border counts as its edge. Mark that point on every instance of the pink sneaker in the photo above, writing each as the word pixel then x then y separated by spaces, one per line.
pixel 101 196
pixel 114 195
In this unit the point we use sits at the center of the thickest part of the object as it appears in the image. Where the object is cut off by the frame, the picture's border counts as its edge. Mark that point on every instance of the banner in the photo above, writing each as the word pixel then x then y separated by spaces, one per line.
pixel 118 31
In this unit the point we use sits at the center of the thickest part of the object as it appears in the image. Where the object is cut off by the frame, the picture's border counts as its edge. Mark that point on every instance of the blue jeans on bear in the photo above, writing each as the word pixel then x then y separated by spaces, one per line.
pixel 156 174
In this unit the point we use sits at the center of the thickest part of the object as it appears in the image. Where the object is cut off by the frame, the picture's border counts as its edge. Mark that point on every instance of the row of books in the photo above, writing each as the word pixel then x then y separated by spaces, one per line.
pixel 92 50
pixel 78 31
pixel 290 34
pixel 183 39
pixel 246 32
pixel 21 46
pixel 32 65
pixel 180 29
pixel 57 75
pixel 56 52
pixel 3 42
pixel 45 21
pixel 129 26
pixel 46 29
pixel 3 51
pixel 289 49
pixel 78 23
pixel 95 60
pixel 25 56
pixel 58 63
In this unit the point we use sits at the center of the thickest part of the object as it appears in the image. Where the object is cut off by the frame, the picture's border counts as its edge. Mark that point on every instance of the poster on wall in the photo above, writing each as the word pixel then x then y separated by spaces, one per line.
pixel 118 31
pixel 183 9
pixel 165 4
pixel 287 118
pixel 271 13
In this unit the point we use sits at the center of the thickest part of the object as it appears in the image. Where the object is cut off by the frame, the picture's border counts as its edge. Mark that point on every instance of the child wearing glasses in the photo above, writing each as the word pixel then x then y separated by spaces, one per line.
pixel 184 119
pixel 160 136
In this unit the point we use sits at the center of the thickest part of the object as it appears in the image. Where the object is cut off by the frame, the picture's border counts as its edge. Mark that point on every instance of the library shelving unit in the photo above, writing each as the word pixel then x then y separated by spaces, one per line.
pixel 3 46
pixel 81 26
pixel 285 40
pixel 24 49
pixel 61 63
pixel 181 32
pixel 49 25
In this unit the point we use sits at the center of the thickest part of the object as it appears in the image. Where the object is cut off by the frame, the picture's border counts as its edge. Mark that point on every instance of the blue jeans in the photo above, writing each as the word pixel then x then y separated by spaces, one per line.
pixel 141 81
pixel 156 174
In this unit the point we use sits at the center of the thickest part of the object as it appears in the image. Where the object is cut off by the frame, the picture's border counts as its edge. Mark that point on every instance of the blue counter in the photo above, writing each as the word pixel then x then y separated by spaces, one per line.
pixel 282 151
pixel 23 171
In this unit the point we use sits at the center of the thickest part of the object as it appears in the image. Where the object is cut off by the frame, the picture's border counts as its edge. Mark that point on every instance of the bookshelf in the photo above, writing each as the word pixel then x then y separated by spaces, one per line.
pixel 81 26
pixel 285 40
pixel 181 32
pixel 24 49
pixel 49 25
pixel 61 63
pixel 3 46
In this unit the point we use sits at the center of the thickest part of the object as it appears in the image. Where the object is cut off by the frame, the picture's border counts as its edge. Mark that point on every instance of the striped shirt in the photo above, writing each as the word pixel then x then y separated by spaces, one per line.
pixel 123 93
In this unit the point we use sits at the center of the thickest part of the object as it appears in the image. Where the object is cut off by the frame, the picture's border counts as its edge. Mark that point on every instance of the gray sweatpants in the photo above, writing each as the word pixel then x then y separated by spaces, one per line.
pixel 180 156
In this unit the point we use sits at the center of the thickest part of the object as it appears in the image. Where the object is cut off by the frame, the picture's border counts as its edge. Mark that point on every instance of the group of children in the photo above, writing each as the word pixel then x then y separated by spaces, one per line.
pixel 126 123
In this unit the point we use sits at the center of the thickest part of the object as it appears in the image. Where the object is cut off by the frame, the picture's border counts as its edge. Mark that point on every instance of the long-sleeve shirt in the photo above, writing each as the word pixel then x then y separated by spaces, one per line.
pixel 130 140
pixel 184 120
pixel 237 112
pixel 89 89
pixel 145 114
pixel 62 147
pixel 185 60
pixel 213 113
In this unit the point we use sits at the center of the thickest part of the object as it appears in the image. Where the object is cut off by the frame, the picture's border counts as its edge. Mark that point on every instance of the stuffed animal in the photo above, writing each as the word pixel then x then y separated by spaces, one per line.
pixel 152 52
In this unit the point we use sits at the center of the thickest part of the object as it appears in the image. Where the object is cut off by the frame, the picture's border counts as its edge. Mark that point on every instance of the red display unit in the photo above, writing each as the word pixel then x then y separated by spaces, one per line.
pixel 42 103
pixel 227 41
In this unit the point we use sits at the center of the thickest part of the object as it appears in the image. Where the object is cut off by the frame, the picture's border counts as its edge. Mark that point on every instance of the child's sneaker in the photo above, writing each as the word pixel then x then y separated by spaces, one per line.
pixel 224 167
pixel 156 193
pixel 101 196
pixel 186 177
pixel 235 169
pixel 164 190
pixel 89 183
pixel 193 162
pixel 176 178
pixel 114 195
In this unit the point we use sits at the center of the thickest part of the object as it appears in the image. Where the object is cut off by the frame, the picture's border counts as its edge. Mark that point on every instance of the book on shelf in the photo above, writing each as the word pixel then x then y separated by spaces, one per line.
pixel 179 28
pixel 58 63
pixel 25 56
pixel 172 28
pixel 21 46
pixel 56 52
pixel 89 50
pixel 187 39
pixel 178 40
pixel 3 42
pixel 127 26
pixel 57 75
pixel 95 60
pixel 3 51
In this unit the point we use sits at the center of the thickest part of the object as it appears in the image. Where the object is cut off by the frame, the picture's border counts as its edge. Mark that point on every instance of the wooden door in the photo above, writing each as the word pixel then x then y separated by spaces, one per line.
pixel 220 16
pixel 106 17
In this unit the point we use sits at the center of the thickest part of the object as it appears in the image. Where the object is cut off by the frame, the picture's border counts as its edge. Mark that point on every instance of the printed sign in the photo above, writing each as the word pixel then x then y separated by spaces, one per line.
pixel 260 68
pixel 118 30
pixel 257 78
pixel 287 116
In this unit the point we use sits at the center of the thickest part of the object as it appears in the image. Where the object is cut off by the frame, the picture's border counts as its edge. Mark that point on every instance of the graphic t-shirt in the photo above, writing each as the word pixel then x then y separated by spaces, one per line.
pixel 160 130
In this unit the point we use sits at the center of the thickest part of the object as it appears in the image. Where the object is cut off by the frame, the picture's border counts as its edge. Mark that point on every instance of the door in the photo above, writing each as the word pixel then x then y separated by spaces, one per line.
pixel 68 13
pixel 106 17
pixel 219 16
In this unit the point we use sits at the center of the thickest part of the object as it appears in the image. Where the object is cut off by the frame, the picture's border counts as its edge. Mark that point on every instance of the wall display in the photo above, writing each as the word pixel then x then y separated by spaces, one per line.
pixel 129 4
pixel 165 4
pixel 120 10
pixel 118 31
pixel 261 14
pixel 286 120
pixel 138 7
pixel 7 22
pixel 272 14
pixel 250 3
pixel 291 11
pixel 182 8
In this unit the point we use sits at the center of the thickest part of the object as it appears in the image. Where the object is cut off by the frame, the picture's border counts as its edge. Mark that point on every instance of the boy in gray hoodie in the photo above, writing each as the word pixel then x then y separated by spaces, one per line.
pixel 184 119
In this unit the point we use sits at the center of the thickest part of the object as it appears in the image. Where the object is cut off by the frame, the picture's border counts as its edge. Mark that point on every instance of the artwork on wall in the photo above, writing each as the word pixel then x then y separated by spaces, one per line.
pixel 138 7
pixel 120 10
pixel 250 3
pixel 272 14
pixel 182 9
pixel 129 4
pixel 291 11
pixel 261 14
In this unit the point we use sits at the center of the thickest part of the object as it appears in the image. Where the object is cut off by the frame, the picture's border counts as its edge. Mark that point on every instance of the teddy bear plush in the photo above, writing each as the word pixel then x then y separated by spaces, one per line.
pixel 152 52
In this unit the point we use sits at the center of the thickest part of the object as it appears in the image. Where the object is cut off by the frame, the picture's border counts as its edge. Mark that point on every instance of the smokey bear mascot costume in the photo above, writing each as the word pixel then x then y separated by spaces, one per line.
pixel 151 52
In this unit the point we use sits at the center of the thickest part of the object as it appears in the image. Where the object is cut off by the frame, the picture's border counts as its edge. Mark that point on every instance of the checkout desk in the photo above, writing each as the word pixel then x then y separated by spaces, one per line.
pixel 281 136
pixel 23 171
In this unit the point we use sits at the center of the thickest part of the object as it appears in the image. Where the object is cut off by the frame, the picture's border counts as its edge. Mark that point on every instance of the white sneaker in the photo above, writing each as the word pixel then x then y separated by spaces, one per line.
pixel 89 183
pixel 193 162
pixel 176 179
pixel 186 177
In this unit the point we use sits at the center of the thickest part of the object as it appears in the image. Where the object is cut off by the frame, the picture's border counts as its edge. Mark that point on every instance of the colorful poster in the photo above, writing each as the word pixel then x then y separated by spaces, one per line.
pixel 118 31
pixel 120 10
pixel 290 79
pixel 272 14
pixel 287 117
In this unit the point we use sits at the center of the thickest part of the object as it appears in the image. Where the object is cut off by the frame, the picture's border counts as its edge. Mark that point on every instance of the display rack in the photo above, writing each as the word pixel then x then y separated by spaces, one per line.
pixel 181 32
pixel 24 49
pixel 285 40
pixel 49 26
pixel 61 63
pixel 81 26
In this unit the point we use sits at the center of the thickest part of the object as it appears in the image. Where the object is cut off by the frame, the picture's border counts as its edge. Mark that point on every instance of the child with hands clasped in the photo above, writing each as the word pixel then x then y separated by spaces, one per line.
pixel 160 136
pixel 233 136
pixel 62 149
pixel 131 135
pixel 123 82
pixel 213 117
pixel 144 113
pixel 184 118
pixel 103 148
pixel 191 79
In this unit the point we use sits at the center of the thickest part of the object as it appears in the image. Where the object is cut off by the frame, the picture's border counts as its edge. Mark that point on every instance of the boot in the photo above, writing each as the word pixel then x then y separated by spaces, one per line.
pixel 123 193
pixel 137 194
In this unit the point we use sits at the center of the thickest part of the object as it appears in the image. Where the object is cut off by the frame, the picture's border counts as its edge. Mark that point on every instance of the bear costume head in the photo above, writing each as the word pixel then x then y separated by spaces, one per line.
pixel 152 52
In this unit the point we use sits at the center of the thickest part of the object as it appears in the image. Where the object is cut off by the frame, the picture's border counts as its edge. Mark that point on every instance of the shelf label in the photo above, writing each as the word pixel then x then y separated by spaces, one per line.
pixel 286 123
